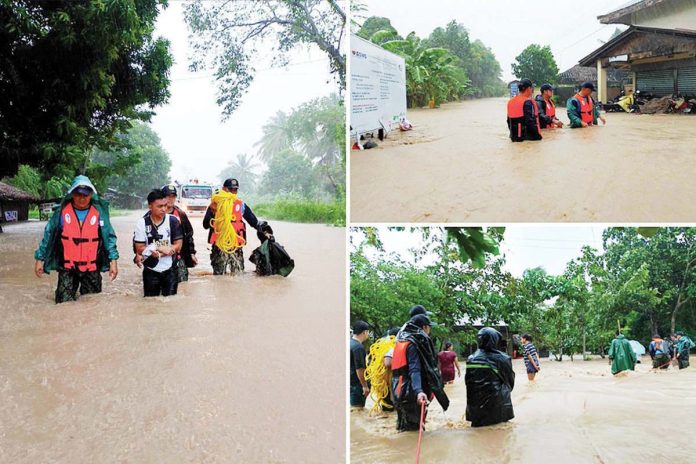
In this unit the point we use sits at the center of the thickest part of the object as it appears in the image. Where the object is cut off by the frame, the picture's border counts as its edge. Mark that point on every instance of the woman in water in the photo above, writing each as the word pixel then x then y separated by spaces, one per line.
pixel 448 361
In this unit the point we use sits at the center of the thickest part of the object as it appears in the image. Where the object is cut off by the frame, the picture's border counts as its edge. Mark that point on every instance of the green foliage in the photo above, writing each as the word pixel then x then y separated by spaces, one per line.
pixel 537 64
pixel 227 36
pixel 289 174
pixel 138 166
pixel 431 73
pixel 316 130
pixel 30 180
pixel 72 74
pixel 244 169
pixel 378 30
pixel 306 211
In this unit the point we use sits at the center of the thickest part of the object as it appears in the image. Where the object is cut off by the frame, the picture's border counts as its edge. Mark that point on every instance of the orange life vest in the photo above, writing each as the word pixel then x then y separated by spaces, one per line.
pixel 550 109
pixel 400 368
pixel 80 242
pixel 237 223
pixel 515 110
pixel 586 108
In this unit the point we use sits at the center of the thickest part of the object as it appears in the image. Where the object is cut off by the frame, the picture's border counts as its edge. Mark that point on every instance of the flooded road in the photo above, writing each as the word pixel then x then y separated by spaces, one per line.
pixel 232 369
pixel 458 164
pixel 576 412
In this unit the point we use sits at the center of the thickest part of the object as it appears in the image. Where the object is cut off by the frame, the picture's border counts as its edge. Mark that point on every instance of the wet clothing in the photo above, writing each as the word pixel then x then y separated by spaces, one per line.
pixel 226 263
pixel 489 382
pixel 247 214
pixel 70 280
pixel 357 361
pixel 622 355
pixel 188 246
pixel 163 283
pixel 523 119
pixel 50 250
pixel 575 113
pixel 414 371
pixel 271 258
pixel 446 359
pixel 530 350
pixel 661 352
pixel 683 345
pixel 182 273
pixel 547 112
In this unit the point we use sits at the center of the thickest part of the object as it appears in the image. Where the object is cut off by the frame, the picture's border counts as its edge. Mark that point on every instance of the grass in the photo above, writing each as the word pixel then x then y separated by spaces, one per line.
pixel 307 211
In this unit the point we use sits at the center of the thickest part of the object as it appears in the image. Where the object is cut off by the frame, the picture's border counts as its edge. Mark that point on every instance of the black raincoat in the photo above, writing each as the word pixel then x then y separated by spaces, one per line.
pixel 489 381
pixel 270 258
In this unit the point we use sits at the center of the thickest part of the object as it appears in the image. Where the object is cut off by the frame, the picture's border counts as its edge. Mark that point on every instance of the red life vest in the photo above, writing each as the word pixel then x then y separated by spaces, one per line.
pixel 586 108
pixel 550 109
pixel 515 110
pixel 80 242
pixel 237 222
pixel 400 377
pixel 175 212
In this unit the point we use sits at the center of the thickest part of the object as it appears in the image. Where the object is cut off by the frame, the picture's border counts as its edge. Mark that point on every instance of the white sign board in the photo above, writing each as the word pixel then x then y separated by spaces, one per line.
pixel 377 87
pixel 11 216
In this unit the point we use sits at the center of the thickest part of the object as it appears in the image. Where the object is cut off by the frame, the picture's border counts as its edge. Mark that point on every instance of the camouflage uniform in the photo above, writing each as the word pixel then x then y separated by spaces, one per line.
pixel 70 280
pixel 181 271
pixel 221 261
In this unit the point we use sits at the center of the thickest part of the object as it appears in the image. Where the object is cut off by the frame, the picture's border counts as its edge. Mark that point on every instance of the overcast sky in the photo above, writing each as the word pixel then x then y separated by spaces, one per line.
pixel 524 246
pixel 190 125
pixel 571 28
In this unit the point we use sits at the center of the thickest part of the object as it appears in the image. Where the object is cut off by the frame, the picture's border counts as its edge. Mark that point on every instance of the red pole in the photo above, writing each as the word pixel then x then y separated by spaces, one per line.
pixel 420 432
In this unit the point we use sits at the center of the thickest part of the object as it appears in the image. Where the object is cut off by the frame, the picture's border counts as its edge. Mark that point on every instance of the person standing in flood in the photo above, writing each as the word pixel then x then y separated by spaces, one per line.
pixel 79 242
pixel 187 257
pixel 358 385
pixel 622 357
pixel 158 239
pixel 416 379
pixel 660 352
pixel 683 345
pixel 582 110
pixel 489 381
pixel 523 114
pixel 448 362
pixel 531 357
pixel 238 212
pixel 547 109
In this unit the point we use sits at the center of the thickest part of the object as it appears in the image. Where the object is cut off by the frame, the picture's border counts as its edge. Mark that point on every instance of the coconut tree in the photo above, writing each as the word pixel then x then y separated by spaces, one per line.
pixel 277 137
pixel 244 169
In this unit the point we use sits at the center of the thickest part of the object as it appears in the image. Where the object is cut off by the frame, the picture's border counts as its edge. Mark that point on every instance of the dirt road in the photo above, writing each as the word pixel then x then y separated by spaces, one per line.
pixel 459 165
pixel 233 369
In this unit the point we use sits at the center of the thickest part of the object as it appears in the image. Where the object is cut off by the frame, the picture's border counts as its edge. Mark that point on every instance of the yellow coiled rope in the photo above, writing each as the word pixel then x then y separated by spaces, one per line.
pixel 377 373
pixel 227 239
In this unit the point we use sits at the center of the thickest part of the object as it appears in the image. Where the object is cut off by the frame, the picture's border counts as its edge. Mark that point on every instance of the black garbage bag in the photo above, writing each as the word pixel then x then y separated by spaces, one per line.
pixel 270 258
pixel 489 380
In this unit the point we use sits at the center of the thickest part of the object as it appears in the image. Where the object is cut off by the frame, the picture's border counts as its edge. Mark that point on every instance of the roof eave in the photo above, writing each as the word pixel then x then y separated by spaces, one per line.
pixel 616 17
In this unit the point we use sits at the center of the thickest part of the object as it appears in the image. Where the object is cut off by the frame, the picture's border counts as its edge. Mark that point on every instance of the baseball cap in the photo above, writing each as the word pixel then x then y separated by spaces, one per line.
pixel 545 87
pixel 169 189
pixel 422 320
pixel 419 309
pixel 588 85
pixel 524 83
pixel 360 327
pixel 231 184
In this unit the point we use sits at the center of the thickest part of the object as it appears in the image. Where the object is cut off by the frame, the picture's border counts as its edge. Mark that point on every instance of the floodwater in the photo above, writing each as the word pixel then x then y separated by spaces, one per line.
pixel 575 412
pixel 458 164
pixel 232 369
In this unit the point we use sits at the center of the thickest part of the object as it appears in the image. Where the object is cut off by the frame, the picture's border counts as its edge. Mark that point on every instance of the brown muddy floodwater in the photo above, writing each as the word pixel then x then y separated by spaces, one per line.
pixel 232 369
pixel 458 164
pixel 574 413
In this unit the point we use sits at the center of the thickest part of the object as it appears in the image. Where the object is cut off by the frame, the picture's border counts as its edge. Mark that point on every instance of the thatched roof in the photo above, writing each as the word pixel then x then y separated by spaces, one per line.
pixel 8 192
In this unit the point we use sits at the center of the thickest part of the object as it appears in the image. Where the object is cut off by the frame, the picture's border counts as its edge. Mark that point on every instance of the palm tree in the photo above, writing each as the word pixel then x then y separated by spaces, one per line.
pixel 276 137
pixel 244 170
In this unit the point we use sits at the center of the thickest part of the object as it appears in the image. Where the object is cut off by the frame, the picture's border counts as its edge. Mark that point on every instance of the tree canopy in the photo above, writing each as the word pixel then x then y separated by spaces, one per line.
pixel 72 75
pixel 537 64
pixel 227 37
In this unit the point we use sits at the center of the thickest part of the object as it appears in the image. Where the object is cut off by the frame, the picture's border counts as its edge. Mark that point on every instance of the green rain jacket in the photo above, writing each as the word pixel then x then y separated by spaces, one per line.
pixel 622 355
pixel 684 344
pixel 574 113
pixel 50 248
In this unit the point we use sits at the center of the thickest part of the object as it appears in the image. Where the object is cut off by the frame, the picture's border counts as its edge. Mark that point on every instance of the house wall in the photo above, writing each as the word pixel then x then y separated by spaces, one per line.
pixel 21 207
pixel 677 14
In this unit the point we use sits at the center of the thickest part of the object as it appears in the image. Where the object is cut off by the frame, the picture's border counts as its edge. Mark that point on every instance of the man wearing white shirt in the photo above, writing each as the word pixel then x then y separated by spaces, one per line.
pixel 158 238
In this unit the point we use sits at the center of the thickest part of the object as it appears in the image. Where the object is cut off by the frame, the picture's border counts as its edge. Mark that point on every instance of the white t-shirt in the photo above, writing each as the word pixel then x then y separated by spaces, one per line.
pixel 169 231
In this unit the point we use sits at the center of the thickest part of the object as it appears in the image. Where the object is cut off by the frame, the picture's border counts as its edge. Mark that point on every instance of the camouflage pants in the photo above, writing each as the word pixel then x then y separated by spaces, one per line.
pixel 181 271
pixel 70 281
pixel 222 261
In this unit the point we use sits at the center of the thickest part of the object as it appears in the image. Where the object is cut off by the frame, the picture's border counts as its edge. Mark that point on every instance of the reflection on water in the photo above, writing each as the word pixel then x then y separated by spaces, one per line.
pixel 574 413
pixel 232 369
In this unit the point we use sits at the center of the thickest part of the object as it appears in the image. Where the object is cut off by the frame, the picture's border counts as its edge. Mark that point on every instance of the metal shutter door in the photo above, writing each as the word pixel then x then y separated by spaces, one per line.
pixel 659 83
pixel 687 81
